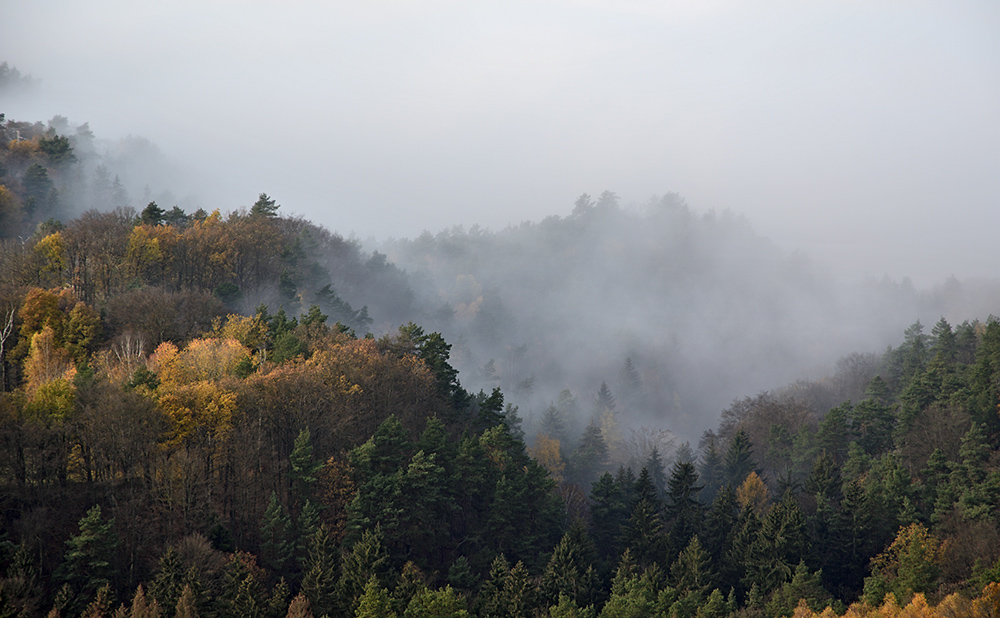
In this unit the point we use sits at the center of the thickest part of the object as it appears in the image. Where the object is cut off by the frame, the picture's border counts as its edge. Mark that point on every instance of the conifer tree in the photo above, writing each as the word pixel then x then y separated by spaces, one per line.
pixel 100 607
pixel 374 601
pixel 683 510
pixel 490 602
pixel 319 582
pixel 89 559
pixel 657 471
pixel 186 604
pixel 710 471
pixel 692 571
pixel 609 514
pixel 303 467
pixel 442 603
pixel 643 536
pixel 276 536
pixel 366 560
pixel 168 584
pixel 738 462
pixel 570 568
pixel 591 456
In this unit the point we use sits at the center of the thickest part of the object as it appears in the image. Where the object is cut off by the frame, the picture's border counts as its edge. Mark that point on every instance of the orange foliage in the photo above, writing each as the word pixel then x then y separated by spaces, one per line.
pixel 753 493
pixel 952 606
pixel 39 309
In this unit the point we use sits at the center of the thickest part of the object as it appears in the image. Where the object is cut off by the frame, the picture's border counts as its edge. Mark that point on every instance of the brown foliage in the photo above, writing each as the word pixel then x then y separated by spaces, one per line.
pixel 335 490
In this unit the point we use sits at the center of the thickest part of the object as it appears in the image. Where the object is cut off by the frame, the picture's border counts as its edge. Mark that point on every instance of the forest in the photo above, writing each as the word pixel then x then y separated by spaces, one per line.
pixel 241 413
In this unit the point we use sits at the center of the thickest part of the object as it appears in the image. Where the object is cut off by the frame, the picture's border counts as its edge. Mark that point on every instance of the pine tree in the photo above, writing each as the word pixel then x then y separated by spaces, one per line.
pixel 89 561
pixel 374 601
pixel 738 462
pixel 711 471
pixel 100 607
pixel 319 582
pixel 186 604
pixel 442 603
pixel 303 467
pixel 264 207
pixel 591 457
pixel 276 536
pixel 657 471
pixel 490 602
pixel 691 572
pixel 720 524
pixel 306 527
pixel 460 575
pixel 168 584
pixel 566 571
pixel 643 536
pixel 605 401
pixel 609 513
pixel 684 510
pixel 242 593
pixel 366 560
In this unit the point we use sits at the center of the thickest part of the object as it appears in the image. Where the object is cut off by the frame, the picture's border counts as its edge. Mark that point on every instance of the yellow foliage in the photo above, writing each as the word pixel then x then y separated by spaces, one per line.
pixel 54 399
pixel 954 606
pixel 45 361
pixel 802 610
pixel 546 453
pixel 23 151
pixel 200 408
pixel 753 493
pixel 39 309
pixel 143 251
pixel 52 249
pixel 10 212
pixel 988 603
pixel 201 359
pixel 249 331
pixel 81 330
pixel 162 360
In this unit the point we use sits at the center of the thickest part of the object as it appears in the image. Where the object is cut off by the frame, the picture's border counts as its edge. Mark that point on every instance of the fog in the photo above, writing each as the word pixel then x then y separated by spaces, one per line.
pixel 864 133
pixel 859 140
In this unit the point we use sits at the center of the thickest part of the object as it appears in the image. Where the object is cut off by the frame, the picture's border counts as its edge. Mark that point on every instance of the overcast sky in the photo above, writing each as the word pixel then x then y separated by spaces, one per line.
pixel 865 133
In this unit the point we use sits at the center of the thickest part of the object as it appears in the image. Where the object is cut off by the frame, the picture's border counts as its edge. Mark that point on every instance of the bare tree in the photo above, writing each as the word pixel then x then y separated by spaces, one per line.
pixel 5 332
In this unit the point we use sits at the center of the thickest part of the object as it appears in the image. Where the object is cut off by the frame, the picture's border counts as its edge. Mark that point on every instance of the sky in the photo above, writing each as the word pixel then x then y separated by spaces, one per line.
pixel 865 134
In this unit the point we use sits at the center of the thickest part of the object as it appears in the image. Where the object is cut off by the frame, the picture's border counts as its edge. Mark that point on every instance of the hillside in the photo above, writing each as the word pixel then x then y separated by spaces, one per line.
pixel 242 413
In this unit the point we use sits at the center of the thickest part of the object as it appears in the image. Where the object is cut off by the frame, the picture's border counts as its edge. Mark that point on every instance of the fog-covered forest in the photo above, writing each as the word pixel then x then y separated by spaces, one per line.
pixel 630 410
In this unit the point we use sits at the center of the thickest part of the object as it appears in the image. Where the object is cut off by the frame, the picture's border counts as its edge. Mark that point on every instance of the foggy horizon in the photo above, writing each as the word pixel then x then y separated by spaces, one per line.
pixel 863 135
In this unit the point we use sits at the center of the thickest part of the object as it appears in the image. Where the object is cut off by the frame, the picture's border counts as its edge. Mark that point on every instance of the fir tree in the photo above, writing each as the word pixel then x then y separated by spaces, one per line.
pixel 739 462
pixel 89 560
pixel 276 535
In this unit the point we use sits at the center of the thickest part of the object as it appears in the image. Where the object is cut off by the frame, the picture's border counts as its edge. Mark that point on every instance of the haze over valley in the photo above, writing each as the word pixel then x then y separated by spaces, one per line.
pixel 569 309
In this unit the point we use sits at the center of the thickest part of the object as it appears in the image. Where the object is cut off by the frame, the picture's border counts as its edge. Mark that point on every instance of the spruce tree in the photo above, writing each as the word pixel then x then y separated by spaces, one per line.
pixel 303 467
pixel 684 511
pixel 276 536
pixel 609 513
pixel 319 582
pixel 168 583
pixel 89 559
pixel 739 461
